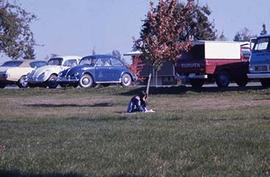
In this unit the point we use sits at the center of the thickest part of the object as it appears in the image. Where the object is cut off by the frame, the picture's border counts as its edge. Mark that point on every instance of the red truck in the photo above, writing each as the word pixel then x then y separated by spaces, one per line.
pixel 214 61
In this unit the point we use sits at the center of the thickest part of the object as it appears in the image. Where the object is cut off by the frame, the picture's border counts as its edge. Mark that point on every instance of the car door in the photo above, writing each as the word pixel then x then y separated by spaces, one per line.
pixel 103 70
pixel 117 69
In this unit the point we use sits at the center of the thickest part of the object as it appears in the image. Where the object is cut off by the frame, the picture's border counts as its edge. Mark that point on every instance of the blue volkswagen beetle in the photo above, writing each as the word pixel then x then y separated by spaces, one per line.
pixel 97 69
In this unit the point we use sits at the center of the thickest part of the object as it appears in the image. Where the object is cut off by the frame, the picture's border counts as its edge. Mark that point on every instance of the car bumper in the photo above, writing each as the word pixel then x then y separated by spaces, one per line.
pixel 258 75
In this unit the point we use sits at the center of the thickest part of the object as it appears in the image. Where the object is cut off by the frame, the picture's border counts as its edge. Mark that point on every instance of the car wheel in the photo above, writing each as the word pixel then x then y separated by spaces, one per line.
pixel 126 80
pixel 52 81
pixel 223 79
pixel 86 81
pixel 22 83
pixel 197 83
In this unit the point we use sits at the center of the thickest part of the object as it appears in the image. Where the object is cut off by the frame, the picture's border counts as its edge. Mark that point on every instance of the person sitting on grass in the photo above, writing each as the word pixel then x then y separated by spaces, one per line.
pixel 138 103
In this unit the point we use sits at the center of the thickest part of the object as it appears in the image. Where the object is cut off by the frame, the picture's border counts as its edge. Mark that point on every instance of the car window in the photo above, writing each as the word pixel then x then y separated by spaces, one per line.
pixel 37 64
pixel 107 62
pixel 99 62
pixel 70 63
pixel 55 61
pixel 103 62
pixel 88 61
pixel 116 62
pixel 12 63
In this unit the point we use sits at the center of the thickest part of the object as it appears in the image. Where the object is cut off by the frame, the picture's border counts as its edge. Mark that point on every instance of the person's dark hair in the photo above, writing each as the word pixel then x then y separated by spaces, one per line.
pixel 142 94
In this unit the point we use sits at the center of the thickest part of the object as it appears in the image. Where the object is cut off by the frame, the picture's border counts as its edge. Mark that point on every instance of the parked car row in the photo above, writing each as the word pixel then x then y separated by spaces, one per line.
pixel 206 61
pixel 47 76
pixel 66 71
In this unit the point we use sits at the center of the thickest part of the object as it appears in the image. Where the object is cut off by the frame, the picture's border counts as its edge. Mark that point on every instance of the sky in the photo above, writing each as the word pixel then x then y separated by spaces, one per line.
pixel 77 27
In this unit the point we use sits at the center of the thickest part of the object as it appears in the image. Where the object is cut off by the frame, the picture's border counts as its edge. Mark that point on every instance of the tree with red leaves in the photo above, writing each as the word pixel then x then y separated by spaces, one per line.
pixel 161 33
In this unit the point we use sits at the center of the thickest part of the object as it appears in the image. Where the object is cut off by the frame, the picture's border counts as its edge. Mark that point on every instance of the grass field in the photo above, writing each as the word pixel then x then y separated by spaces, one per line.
pixel 79 133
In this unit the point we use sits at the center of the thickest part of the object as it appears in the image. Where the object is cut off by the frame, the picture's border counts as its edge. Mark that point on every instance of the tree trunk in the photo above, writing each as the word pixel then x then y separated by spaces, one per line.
pixel 148 84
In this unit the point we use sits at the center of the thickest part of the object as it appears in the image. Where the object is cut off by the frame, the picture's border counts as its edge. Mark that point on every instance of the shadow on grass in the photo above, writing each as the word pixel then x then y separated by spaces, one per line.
pixel 70 105
pixel 183 89
pixel 158 90
pixel 126 175
pixel 103 119
pixel 16 173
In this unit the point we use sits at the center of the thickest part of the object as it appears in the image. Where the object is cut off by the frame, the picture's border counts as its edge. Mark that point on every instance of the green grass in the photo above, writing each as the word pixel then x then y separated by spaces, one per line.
pixel 86 132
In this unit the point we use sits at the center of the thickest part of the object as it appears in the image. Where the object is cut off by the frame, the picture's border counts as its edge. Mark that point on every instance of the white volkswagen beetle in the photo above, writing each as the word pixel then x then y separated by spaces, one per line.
pixel 47 75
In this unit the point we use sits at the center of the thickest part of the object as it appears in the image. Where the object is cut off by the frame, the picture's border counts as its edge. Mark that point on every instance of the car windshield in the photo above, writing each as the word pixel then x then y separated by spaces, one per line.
pixel 12 63
pixel 88 61
pixel 70 63
pixel 261 44
pixel 55 61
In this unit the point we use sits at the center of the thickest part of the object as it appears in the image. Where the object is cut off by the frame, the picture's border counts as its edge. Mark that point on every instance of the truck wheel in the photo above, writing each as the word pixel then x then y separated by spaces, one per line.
pixel 22 83
pixel 197 83
pixel 242 83
pixel 265 83
pixel 52 81
pixel 223 79
pixel 86 81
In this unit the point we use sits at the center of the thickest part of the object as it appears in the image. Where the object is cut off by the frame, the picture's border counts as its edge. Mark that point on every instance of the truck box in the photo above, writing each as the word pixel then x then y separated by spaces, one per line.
pixel 214 61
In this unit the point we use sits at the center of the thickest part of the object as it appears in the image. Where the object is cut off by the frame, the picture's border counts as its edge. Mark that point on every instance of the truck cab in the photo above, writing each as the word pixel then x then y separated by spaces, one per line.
pixel 259 63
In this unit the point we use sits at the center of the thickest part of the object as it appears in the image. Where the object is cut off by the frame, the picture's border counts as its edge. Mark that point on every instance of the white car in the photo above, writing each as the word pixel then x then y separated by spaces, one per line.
pixel 15 71
pixel 47 75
